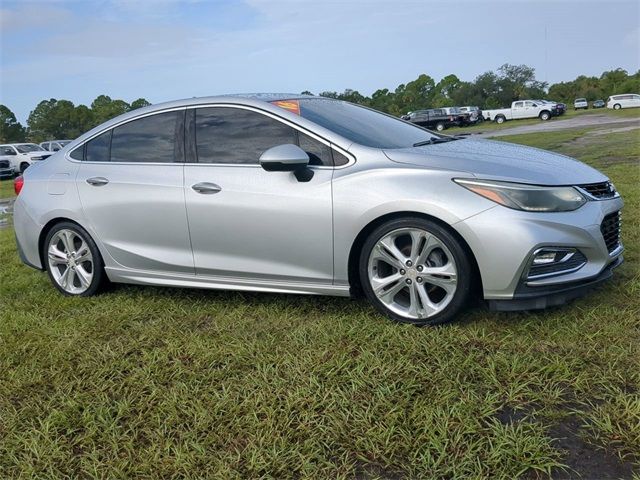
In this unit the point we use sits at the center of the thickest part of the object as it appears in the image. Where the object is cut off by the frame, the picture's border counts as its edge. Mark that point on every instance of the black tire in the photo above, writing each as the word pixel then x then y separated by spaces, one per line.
pixel 23 167
pixel 617 106
pixel 544 115
pixel 440 126
pixel 463 265
pixel 99 279
pixel 500 119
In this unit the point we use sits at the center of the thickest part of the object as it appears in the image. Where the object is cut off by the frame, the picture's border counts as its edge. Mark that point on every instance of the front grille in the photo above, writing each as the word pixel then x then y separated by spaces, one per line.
pixel 5 164
pixel 576 261
pixel 600 190
pixel 610 228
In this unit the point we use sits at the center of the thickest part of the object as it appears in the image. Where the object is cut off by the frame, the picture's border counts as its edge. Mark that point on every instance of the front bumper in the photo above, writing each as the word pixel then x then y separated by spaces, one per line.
pixel 536 298
pixel 503 242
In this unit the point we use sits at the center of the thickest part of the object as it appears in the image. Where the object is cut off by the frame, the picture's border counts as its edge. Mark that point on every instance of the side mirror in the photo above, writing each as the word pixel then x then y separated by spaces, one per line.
pixel 287 158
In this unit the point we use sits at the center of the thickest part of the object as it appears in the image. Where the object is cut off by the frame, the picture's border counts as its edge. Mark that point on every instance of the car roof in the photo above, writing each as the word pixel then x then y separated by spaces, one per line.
pixel 263 101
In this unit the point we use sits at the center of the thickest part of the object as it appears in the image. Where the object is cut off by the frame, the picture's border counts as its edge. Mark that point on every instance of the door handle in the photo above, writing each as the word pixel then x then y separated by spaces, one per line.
pixel 97 181
pixel 206 188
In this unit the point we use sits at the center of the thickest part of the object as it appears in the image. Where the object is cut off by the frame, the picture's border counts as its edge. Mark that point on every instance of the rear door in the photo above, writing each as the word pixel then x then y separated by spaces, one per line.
pixel 130 182
pixel 247 223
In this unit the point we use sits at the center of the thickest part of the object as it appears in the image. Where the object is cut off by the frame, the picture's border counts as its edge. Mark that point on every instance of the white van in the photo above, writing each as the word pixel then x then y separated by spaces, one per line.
pixel 628 100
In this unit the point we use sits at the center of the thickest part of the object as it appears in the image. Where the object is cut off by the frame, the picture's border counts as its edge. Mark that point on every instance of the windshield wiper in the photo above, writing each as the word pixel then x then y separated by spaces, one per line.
pixel 434 140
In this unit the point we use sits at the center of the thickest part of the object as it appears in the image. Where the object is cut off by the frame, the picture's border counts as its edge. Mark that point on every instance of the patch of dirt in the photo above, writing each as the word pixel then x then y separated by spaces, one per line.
pixel 584 461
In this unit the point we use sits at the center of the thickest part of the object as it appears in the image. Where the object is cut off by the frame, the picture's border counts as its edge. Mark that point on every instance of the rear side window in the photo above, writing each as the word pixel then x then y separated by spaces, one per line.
pixel 147 139
pixel 237 136
pixel 97 149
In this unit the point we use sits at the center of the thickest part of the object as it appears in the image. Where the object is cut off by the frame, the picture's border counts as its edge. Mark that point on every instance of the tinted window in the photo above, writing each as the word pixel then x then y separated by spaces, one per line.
pixel 232 135
pixel 319 153
pixel 78 153
pixel 98 148
pixel 339 159
pixel 148 139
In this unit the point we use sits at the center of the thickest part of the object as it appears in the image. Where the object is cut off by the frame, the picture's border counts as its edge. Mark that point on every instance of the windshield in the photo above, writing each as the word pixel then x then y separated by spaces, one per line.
pixel 29 147
pixel 362 125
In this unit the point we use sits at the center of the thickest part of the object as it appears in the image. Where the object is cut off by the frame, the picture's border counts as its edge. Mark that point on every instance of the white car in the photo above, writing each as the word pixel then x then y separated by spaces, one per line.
pixel 55 145
pixel 628 100
pixel 21 155
pixel 580 103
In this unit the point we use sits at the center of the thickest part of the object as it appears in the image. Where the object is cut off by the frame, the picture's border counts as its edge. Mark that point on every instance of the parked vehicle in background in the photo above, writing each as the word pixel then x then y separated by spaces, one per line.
pixel 475 114
pixel 520 109
pixel 598 104
pixel 628 100
pixel 6 170
pixel 434 118
pixel 54 145
pixel 346 200
pixel 21 155
pixel 555 107
pixel 460 119
pixel 580 103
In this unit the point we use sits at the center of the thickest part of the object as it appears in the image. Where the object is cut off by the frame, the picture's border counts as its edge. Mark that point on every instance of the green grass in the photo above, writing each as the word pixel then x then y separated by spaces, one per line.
pixel 6 189
pixel 160 383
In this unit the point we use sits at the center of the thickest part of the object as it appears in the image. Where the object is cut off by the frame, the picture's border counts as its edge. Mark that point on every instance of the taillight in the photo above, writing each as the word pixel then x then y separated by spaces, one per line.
pixel 18 183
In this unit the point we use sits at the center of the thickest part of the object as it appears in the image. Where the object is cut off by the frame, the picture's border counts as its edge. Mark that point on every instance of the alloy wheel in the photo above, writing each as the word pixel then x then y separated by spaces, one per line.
pixel 413 273
pixel 70 261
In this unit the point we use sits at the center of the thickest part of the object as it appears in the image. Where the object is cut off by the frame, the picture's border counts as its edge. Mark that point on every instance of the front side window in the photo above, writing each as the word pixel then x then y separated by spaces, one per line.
pixel 528 104
pixel 8 151
pixel 319 153
pixel 147 139
pixel 237 136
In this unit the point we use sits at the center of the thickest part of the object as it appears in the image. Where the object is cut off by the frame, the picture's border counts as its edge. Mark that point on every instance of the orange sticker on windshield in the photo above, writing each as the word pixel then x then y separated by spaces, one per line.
pixel 291 105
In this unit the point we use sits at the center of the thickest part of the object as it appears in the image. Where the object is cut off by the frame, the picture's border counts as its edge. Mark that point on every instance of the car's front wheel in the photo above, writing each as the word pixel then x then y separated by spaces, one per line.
pixel 415 271
pixel 73 261
pixel 544 116
pixel 617 106
pixel 440 126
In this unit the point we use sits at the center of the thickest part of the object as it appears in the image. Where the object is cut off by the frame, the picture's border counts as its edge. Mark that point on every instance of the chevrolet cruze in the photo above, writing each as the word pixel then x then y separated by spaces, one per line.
pixel 302 194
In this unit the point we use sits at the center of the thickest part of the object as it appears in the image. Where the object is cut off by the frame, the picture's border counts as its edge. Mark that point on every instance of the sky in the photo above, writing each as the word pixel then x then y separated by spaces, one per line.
pixel 169 49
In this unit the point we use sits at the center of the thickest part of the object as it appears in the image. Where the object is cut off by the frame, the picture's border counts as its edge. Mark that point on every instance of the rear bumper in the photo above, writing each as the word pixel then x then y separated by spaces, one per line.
pixel 536 298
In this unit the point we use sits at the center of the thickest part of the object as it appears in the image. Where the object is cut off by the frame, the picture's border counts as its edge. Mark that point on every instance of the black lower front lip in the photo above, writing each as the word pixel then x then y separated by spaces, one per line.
pixel 536 298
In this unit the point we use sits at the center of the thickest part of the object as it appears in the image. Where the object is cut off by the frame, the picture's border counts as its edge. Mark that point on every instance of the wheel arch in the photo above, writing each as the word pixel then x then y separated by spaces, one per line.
pixel 358 243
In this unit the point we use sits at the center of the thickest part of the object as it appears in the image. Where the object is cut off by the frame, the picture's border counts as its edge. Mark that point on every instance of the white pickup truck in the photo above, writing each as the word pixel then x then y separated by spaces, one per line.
pixel 519 109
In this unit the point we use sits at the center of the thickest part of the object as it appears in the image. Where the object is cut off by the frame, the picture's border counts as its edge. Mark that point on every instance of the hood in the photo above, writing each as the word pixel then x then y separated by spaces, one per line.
pixel 500 161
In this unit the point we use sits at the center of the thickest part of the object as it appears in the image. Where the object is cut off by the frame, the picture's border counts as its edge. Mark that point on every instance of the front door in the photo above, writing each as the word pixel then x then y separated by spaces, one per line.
pixel 245 222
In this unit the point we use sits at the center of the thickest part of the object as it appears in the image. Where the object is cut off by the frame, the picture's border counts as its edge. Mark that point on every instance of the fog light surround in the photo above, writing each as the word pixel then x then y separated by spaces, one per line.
pixel 550 261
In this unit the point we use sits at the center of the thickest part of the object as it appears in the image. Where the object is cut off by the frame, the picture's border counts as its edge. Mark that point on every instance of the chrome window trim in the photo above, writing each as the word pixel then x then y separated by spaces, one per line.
pixel 333 146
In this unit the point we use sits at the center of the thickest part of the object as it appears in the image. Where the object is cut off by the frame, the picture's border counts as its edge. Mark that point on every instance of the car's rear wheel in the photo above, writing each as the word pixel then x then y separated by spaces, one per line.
pixel 500 119
pixel 72 260
pixel 440 126
pixel 415 271
pixel 617 106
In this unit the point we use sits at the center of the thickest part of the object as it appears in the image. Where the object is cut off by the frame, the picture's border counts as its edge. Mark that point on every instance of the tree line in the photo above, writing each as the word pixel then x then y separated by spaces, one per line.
pixel 61 119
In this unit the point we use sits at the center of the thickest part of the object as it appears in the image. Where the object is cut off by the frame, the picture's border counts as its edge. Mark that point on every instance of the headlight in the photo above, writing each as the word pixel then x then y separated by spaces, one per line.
pixel 531 198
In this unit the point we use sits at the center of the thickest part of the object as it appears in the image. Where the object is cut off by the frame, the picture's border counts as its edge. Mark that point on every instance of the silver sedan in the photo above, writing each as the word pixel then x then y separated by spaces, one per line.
pixel 302 194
